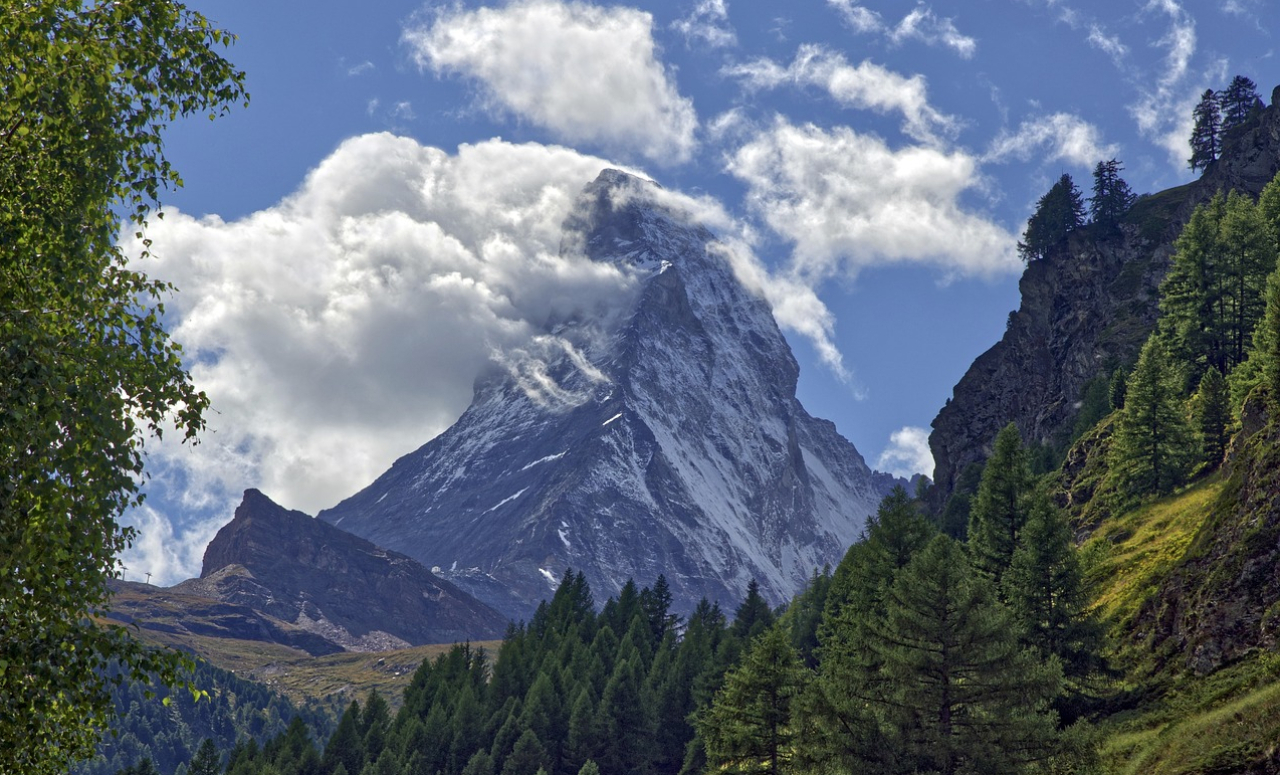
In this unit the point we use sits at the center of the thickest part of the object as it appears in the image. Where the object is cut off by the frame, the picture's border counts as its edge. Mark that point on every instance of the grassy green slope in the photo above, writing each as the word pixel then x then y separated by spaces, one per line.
pixel 1177 721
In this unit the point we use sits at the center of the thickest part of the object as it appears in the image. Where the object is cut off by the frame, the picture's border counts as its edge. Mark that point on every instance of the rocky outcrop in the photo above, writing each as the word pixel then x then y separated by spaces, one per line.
pixel 1086 309
pixel 1222 600
pixel 328 582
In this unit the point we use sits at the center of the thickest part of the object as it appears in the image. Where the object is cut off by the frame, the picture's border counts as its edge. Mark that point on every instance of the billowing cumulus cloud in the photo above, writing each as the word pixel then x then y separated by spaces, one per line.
pixel 1056 137
pixel 907 454
pixel 346 325
pixel 848 201
pixel 587 74
pixel 866 86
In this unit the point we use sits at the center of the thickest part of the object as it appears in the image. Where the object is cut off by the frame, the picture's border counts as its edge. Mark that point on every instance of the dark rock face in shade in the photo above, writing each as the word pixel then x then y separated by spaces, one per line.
pixel 327 582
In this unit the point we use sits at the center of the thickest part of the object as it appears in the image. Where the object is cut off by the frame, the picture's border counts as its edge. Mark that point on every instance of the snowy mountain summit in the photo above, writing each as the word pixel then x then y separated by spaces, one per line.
pixel 661 435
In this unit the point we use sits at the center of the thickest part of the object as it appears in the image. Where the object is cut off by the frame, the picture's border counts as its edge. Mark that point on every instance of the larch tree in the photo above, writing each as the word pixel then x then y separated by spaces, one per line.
pixel 999 509
pixel 1238 101
pixel 1058 213
pixel 1206 132
pixel 1149 452
pixel 87 371
pixel 748 728
pixel 1210 415
pixel 1112 196
pixel 963 695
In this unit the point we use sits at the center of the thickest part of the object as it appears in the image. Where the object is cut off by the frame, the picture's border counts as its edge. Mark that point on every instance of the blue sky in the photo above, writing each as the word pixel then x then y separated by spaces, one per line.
pixel 379 224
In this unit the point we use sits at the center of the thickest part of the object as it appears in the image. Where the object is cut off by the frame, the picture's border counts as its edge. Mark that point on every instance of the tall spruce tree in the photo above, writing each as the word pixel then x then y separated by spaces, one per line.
pixel 1058 213
pixel 1149 452
pixel 999 510
pixel 963 694
pixel 1206 132
pixel 748 728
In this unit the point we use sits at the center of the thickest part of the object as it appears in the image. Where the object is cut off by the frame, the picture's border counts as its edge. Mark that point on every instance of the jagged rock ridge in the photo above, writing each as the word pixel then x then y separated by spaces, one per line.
pixel 328 582
pixel 1085 308
pixel 661 435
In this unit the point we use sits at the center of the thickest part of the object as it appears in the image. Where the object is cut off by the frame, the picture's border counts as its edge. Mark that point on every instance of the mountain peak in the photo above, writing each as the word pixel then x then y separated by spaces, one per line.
pixel 664 437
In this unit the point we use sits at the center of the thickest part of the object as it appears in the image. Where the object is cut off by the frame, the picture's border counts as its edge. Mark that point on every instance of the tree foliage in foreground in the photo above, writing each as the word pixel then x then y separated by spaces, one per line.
pixel 86 369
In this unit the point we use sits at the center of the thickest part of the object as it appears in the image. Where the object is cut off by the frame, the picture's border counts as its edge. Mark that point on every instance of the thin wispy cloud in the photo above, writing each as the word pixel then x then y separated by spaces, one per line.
pixel 707 25
pixel 921 24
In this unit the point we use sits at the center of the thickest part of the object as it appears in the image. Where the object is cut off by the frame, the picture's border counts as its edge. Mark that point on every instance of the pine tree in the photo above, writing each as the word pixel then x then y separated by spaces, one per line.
pixel 837 731
pixel 346 746
pixel 1149 450
pixel 999 509
pixel 1198 296
pixel 1112 196
pixel 528 756
pixel 1206 142
pixel 1237 102
pixel 753 616
pixel 962 694
pixel 1248 258
pixel 480 763
pixel 1210 414
pixel 1116 391
pixel 206 761
pixel 1046 593
pixel 1268 345
pixel 627 721
pixel 748 728
pixel 374 721
pixel 1058 213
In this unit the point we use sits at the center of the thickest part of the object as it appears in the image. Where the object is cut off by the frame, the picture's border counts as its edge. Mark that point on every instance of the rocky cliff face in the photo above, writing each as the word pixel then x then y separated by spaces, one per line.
pixel 662 435
pixel 330 583
pixel 1086 309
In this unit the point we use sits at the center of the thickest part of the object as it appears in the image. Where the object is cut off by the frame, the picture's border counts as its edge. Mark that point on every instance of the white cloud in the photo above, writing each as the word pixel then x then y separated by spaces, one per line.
pixel 848 201
pixel 866 86
pixel 1111 45
pixel 1162 112
pixel 907 454
pixel 346 325
pixel 583 72
pixel 707 23
pixel 920 24
pixel 1059 136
